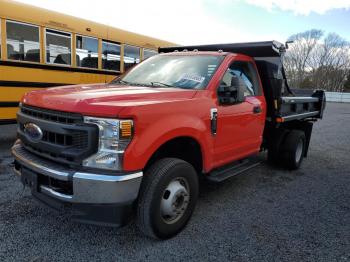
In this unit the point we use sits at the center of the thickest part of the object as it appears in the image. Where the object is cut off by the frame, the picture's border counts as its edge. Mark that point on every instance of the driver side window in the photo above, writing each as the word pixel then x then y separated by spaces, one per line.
pixel 246 72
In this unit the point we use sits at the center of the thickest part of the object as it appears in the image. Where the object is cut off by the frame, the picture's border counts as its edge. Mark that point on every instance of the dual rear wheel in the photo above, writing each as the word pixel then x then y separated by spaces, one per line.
pixel 290 151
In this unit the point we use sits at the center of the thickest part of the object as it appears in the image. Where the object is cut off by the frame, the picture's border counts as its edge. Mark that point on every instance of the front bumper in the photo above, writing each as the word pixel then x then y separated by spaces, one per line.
pixel 94 198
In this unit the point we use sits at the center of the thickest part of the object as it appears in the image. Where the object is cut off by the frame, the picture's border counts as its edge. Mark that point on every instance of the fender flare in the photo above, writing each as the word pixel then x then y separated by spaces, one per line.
pixel 144 145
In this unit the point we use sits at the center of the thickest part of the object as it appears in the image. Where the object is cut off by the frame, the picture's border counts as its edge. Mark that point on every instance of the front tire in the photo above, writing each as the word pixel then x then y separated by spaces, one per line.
pixel 168 196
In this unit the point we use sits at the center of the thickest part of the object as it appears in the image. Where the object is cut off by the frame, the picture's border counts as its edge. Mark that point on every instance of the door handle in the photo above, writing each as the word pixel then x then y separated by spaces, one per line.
pixel 257 109
pixel 214 120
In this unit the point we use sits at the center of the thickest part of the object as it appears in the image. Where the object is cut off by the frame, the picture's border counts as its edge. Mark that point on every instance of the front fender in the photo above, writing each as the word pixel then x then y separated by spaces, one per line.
pixel 147 140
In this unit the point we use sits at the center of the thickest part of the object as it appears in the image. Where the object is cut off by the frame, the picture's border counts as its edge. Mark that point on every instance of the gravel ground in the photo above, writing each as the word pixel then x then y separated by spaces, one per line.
pixel 268 214
pixel 7 133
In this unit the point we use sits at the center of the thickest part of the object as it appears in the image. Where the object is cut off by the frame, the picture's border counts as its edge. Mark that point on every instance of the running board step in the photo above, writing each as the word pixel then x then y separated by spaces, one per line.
pixel 233 169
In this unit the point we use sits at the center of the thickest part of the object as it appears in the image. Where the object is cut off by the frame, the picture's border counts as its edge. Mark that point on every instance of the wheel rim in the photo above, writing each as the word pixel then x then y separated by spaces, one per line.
pixel 175 200
pixel 299 151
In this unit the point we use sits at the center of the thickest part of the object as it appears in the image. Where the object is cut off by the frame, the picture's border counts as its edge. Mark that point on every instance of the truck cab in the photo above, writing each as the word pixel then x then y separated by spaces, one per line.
pixel 139 144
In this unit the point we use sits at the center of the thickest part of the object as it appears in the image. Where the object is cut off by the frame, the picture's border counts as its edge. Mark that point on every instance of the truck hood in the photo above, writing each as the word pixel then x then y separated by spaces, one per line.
pixel 103 99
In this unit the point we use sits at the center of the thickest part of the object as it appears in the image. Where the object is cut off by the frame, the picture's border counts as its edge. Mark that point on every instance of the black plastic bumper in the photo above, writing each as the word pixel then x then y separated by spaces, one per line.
pixel 113 215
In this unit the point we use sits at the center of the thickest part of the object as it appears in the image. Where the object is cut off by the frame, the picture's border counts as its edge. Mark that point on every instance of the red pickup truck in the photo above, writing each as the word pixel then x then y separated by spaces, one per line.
pixel 138 145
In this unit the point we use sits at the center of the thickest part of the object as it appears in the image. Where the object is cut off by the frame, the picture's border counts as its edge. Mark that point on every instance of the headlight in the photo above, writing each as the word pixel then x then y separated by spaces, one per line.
pixel 114 137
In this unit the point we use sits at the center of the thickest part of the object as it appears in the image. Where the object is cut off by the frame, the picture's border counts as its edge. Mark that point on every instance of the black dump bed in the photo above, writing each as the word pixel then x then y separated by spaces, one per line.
pixel 283 104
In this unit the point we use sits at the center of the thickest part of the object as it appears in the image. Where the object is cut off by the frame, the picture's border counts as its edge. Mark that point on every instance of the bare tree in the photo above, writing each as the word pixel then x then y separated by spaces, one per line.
pixel 298 55
pixel 330 63
pixel 316 62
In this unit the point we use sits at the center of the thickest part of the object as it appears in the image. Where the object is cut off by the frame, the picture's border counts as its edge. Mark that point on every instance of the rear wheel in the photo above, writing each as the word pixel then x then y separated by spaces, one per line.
pixel 274 147
pixel 293 149
pixel 273 155
pixel 167 198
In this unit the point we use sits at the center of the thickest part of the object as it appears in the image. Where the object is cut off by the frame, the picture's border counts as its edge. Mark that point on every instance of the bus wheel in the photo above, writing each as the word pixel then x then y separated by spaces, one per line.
pixel 167 198
pixel 293 149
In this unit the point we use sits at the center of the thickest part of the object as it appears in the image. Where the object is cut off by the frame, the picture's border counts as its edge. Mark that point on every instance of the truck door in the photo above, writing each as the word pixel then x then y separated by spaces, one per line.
pixel 240 126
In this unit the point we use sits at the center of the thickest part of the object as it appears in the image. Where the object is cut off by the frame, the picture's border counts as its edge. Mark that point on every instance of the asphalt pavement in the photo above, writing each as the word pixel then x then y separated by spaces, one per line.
pixel 266 214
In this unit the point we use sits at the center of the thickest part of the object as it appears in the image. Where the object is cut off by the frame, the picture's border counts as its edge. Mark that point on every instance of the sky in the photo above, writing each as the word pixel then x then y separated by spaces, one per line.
pixel 189 22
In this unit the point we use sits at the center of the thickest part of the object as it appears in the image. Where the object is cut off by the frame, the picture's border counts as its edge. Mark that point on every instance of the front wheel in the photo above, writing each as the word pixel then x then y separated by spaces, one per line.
pixel 167 198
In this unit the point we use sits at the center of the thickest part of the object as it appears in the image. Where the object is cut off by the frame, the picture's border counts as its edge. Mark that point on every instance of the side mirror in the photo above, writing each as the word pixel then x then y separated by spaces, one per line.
pixel 234 94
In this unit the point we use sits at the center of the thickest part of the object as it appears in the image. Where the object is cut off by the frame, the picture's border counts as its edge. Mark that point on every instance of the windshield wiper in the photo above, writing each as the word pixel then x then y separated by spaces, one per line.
pixel 120 81
pixel 126 83
pixel 161 84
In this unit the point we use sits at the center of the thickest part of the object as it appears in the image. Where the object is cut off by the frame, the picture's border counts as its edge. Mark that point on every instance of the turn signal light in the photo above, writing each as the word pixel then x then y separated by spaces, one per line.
pixel 126 129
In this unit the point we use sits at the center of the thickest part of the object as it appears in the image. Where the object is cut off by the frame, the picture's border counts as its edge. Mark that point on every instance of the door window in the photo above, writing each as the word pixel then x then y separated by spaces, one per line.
pixel 247 73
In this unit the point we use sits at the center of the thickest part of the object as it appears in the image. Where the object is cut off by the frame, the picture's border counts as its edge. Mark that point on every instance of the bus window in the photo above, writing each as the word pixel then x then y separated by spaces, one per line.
pixel 58 47
pixel 148 53
pixel 131 56
pixel 87 52
pixel 22 42
pixel 110 56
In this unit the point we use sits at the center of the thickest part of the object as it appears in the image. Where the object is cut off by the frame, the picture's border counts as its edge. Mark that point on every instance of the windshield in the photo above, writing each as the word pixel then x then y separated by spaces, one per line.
pixel 182 71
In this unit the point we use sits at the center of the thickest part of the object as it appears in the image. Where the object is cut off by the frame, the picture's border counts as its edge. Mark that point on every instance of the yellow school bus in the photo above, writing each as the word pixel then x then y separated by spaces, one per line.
pixel 41 48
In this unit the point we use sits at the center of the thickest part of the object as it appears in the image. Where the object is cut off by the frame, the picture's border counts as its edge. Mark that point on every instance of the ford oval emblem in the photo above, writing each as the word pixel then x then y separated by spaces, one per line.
pixel 33 132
